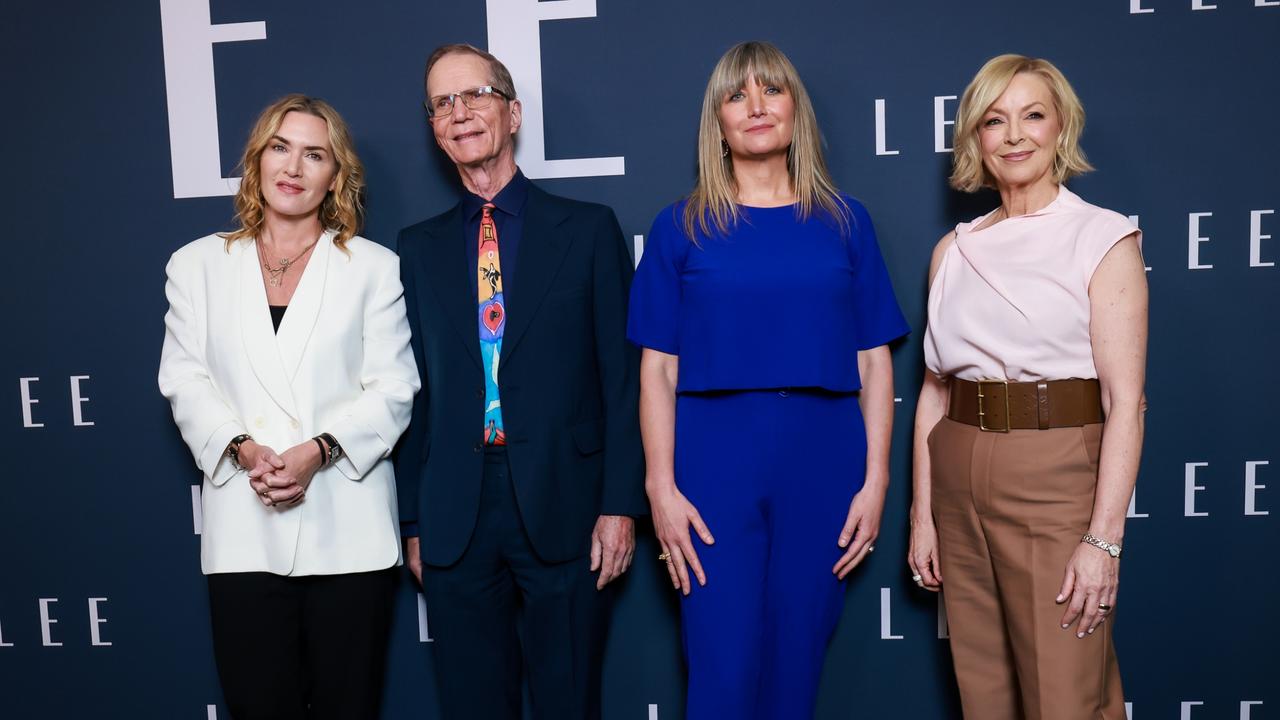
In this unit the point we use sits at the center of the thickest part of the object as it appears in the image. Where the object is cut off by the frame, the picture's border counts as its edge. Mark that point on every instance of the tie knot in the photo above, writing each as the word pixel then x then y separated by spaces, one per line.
pixel 488 209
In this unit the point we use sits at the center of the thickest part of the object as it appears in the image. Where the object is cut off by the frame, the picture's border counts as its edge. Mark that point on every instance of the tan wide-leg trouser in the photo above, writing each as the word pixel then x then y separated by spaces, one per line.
pixel 1010 509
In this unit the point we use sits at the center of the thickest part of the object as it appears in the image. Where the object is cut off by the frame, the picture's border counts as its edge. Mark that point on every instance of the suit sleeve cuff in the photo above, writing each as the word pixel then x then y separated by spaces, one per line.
pixel 214 460
pixel 362 448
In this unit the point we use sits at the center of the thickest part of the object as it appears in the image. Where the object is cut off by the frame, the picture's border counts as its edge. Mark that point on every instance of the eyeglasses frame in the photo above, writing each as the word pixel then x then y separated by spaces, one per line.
pixel 486 90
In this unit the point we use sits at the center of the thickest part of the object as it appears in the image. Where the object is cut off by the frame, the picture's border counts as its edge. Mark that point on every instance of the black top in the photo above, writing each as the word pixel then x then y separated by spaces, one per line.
pixel 277 314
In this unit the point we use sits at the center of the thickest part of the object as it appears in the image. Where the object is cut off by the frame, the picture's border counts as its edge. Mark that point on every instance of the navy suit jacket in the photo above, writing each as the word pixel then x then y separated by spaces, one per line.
pixel 568 379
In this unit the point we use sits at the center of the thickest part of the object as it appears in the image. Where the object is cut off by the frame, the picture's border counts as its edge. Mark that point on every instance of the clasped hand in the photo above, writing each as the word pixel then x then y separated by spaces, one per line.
pixel 280 478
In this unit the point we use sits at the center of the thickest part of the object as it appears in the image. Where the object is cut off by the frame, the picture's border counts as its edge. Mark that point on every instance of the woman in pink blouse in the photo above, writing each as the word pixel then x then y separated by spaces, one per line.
pixel 1030 419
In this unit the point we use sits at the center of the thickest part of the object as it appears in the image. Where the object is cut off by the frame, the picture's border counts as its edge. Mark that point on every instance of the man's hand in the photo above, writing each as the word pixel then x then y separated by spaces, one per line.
pixel 413 557
pixel 613 543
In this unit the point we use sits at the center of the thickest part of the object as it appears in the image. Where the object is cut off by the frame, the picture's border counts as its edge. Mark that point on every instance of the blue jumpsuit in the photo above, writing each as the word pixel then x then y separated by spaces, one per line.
pixel 769 439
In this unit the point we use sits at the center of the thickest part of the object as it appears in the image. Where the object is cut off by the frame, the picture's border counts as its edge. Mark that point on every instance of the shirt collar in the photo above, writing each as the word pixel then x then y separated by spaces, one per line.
pixel 510 199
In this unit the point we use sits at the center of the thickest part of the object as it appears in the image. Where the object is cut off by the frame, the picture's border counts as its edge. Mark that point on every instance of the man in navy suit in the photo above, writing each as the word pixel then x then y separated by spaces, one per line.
pixel 522 468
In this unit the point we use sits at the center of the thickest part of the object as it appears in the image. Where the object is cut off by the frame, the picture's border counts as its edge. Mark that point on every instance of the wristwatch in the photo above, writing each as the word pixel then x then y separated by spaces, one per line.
pixel 233 449
pixel 335 450
pixel 1111 549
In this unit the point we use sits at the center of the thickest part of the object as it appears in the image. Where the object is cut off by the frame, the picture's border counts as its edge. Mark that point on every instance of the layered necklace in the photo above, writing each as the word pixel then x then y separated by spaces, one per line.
pixel 275 275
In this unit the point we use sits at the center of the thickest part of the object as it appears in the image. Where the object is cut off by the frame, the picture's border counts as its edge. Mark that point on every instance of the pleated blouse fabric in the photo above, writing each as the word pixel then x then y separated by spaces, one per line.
pixel 1011 301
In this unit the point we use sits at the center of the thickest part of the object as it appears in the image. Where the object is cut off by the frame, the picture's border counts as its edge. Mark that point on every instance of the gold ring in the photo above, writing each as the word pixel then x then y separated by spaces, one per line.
pixel 1104 607
pixel 665 557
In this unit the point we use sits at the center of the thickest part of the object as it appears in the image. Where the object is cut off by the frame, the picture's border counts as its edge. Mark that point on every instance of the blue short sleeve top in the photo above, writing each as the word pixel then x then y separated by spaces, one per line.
pixel 777 302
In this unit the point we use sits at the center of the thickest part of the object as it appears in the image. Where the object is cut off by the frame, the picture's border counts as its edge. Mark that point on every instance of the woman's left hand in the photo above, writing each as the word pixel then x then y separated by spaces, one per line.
pixel 288 485
pixel 861 527
pixel 1091 580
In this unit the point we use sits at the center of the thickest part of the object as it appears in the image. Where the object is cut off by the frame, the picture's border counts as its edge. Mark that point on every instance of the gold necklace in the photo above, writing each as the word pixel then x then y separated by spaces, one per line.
pixel 275 275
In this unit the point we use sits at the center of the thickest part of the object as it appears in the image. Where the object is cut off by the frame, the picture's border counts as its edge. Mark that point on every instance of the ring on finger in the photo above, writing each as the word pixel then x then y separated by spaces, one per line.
pixel 871 548
pixel 1104 607
pixel 665 557
pixel 916 579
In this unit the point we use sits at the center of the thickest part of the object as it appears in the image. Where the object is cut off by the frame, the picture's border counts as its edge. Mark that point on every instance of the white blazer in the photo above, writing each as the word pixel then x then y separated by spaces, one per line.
pixel 341 363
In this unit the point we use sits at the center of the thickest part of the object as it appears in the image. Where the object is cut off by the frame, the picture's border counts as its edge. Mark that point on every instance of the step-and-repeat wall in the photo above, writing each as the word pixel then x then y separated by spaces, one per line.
pixel 124 122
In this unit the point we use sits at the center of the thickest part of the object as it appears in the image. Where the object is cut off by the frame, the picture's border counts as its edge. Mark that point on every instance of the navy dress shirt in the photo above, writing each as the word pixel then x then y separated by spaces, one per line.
pixel 508 217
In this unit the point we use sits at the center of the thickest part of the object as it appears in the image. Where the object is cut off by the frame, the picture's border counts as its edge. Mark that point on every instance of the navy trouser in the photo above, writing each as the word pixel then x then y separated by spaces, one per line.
pixel 772 472
pixel 500 614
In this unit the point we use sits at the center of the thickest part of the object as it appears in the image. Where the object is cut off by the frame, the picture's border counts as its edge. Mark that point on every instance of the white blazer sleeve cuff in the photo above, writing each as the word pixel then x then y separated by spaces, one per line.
pixel 362 448
pixel 213 459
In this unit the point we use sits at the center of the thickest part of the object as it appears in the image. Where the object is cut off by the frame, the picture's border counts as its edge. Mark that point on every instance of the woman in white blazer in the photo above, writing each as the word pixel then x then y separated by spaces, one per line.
pixel 287 363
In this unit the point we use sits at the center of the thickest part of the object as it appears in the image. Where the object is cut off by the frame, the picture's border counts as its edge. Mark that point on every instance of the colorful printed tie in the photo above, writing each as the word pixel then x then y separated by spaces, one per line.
pixel 493 320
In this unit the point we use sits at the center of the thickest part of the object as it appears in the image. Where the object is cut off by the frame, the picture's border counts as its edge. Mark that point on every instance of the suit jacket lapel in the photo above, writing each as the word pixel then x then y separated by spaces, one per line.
pixel 444 264
pixel 542 251
pixel 304 307
pixel 257 333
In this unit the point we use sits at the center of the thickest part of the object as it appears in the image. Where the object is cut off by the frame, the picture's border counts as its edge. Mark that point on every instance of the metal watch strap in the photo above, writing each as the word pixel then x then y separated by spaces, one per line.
pixel 233 449
pixel 1111 549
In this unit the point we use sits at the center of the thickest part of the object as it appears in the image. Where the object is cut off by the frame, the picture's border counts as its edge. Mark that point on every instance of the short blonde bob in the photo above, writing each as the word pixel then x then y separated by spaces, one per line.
pixel 713 204
pixel 342 209
pixel 968 173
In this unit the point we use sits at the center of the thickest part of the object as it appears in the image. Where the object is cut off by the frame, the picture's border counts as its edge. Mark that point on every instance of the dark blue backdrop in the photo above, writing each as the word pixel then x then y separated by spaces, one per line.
pixel 102 606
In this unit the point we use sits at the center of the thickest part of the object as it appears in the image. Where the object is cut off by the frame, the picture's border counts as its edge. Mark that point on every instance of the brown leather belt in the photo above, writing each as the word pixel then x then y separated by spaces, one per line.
pixel 1000 406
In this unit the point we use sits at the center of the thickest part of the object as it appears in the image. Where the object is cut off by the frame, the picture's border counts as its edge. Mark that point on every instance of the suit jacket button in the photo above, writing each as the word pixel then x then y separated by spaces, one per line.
pixel 480 393
pixel 479 448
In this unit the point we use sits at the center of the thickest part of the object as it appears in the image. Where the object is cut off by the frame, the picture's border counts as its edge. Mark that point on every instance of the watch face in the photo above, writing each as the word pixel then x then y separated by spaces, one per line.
pixel 1114 550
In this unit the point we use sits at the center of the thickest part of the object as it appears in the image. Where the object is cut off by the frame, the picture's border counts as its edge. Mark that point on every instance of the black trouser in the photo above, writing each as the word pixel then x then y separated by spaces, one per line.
pixel 295 648
pixel 499 602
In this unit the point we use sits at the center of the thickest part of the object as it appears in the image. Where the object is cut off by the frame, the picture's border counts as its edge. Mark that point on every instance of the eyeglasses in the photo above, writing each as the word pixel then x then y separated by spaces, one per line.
pixel 475 99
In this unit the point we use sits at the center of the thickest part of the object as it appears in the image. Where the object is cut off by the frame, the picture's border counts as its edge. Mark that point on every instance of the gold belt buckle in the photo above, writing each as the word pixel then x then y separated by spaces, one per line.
pixel 982 414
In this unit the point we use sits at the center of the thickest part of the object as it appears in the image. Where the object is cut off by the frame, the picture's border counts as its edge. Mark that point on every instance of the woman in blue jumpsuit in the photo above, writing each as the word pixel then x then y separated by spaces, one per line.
pixel 763 307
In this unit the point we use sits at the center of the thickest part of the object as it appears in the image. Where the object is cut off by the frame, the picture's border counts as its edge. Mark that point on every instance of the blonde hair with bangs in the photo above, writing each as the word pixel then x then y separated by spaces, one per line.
pixel 968 173
pixel 713 204
pixel 342 208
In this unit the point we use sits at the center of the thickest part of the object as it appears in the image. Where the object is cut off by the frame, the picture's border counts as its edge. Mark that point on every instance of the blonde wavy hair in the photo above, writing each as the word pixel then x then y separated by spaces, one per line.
pixel 968 174
pixel 713 204
pixel 342 209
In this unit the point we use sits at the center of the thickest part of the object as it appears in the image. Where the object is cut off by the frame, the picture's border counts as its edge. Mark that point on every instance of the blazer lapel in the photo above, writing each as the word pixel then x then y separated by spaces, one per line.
pixel 257 333
pixel 444 264
pixel 542 251
pixel 304 307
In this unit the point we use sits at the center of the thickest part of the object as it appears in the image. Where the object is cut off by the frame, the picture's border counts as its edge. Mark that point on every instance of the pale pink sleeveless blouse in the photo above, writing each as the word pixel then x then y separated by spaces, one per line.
pixel 1012 301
